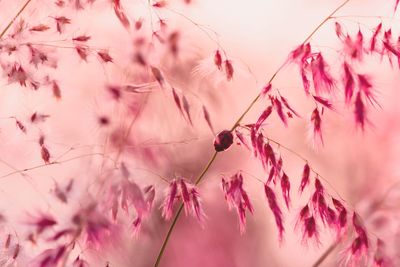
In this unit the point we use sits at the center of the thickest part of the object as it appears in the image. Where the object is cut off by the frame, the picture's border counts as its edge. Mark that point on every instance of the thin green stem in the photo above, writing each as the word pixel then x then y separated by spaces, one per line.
pixel 235 125
pixel 210 162
pixel 15 17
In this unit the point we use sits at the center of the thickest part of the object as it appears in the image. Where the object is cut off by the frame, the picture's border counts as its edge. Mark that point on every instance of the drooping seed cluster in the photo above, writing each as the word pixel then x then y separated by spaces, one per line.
pixel 181 189
pixel 322 210
pixel 237 198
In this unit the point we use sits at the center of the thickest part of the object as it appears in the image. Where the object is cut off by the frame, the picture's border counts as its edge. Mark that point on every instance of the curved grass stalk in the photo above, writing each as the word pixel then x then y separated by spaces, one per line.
pixel 14 18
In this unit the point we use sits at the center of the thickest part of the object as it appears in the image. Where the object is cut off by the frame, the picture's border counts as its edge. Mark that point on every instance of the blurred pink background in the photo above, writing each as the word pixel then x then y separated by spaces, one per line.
pixel 257 36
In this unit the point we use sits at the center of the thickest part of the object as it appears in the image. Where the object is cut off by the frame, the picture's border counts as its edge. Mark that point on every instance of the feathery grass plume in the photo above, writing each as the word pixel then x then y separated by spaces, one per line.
pixel 237 198
pixel 266 89
pixel 349 83
pixel 322 79
pixel 316 125
pixel 305 178
pixel 310 231
pixel 120 13
pixel 169 201
pixel 241 139
pixel 377 31
pixel 279 110
pixel 262 118
pixel 276 211
pixel 323 101
pixel 105 56
pixel 302 215
pixel 354 48
pixel 206 116
pixel 339 31
pixel 366 88
pixel 285 186
pixel 360 111
pixel 286 104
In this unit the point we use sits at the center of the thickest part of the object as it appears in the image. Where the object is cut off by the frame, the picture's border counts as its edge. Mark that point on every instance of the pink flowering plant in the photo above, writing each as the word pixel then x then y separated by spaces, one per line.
pixel 126 144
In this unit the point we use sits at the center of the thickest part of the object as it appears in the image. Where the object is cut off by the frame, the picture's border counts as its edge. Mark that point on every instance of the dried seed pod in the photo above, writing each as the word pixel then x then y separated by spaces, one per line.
pixel 228 70
pixel 218 60
pixel 45 154
pixel 105 56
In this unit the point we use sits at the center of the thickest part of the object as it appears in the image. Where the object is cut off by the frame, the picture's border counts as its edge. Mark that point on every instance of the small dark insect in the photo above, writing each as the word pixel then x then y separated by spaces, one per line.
pixel 223 141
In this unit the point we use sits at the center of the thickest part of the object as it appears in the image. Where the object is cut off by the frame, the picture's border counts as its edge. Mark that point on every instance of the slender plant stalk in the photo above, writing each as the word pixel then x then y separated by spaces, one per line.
pixel 15 17
pixel 236 124
pixel 325 255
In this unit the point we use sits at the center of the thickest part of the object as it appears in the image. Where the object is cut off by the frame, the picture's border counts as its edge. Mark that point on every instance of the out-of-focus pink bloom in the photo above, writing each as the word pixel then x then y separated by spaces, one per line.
pixel 50 257
pixel 105 56
pixel 339 31
pixel 120 13
pixel 43 222
pixel 132 195
pixel 92 225
pixel 380 257
pixel 78 262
